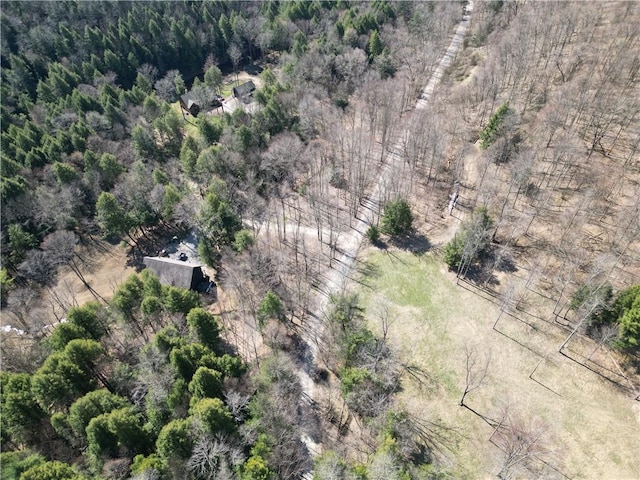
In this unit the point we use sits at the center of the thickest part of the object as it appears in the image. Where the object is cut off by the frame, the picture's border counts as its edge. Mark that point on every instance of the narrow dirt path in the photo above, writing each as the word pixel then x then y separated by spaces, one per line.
pixel 350 243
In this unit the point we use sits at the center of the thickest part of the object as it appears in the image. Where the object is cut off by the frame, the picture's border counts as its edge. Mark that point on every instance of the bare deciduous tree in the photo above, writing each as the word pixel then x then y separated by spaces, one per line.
pixel 215 458
pixel 476 371
pixel 61 247
pixel 522 441
pixel 237 403
pixel 383 313
pixel 235 54
pixel 505 305
pixel 385 466
pixel 597 300
pixel 604 336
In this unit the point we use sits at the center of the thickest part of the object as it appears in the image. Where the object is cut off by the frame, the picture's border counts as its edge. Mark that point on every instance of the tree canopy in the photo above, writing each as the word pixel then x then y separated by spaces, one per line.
pixel 397 218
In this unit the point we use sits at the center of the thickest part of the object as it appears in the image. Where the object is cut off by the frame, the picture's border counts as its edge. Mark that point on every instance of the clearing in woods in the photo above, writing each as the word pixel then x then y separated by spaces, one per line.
pixel 592 425
pixel 112 268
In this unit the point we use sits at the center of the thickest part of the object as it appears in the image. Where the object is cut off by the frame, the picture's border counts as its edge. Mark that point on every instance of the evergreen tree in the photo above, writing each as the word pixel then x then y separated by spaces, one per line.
pixel 397 218
pixel 375 45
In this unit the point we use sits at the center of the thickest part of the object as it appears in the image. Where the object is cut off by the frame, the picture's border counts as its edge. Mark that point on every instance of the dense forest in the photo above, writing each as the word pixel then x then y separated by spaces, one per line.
pixel 531 137
pixel 143 386
pixel 89 141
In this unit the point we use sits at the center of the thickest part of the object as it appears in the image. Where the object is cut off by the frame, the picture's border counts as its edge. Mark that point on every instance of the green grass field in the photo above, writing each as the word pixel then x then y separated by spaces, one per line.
pixel 412 286
pixel 189 124
pixel 226 90
pixel 592 427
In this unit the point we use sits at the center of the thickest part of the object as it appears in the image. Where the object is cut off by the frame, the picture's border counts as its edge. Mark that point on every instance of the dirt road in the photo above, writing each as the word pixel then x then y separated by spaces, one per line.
pixel 350 243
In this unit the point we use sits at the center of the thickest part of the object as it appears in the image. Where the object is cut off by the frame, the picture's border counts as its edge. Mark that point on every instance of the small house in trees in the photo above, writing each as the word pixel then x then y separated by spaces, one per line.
pixel 196 100
pixel 188 103
pixel 177 273
pixel 244 91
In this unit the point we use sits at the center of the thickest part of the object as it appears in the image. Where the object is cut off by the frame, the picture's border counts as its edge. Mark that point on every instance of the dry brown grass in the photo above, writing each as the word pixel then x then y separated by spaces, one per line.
pixel 111 268
pixel 592 424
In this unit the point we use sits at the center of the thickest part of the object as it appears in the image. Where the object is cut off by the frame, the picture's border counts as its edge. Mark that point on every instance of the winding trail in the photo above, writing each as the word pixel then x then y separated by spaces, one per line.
pixel 350 242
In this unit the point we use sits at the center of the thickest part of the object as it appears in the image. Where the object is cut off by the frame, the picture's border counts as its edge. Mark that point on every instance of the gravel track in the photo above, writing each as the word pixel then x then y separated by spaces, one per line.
pixel 349 243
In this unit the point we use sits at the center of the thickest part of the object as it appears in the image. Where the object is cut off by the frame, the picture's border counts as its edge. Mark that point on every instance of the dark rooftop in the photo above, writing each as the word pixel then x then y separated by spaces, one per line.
pixel 175 272
pixel 244 89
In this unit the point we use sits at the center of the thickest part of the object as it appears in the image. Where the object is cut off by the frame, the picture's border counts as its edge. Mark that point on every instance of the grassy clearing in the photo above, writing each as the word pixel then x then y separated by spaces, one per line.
pixel 592 427
pixel 189 124
pixel 226 90
pixel 229 82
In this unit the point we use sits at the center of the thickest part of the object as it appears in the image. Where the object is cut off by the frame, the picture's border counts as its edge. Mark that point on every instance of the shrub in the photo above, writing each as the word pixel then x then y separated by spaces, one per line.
pixel 53 470
pixel 600 294
pixel 623 312
pixel 492 130
pixel 626 312
pixel 13 464
pixel 351 378
pixel 453 252
pixel 397 218
pixel 373 234
pixel 64 173
pixel 472 239
pixel 341 102
pixel 271 307
pixel 175 440
pixel 629 336
pixel 150 465
pixel 242 240
pixel 213 416
pixel 208 253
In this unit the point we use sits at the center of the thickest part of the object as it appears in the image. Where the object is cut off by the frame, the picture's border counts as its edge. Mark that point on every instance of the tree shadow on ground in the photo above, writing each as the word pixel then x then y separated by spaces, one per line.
pixel 479 275
pixel 633 359
pixel 253 68
pixel 380 245
pixel 155 240
pixel 366 271
pixel 416 243
pixel 603 372
pixel 135 259
pixel 482 272
pixel 506 265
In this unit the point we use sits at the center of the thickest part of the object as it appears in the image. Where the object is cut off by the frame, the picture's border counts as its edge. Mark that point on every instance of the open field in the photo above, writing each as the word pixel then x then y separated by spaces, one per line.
pixel 110 266
pixel 591 425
